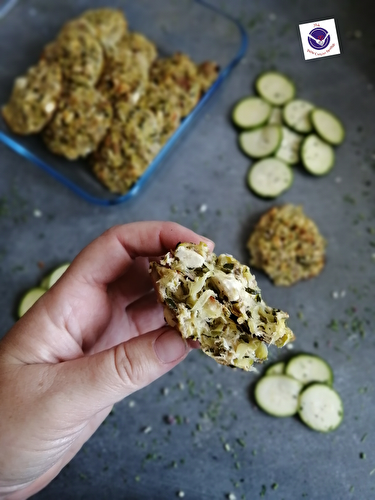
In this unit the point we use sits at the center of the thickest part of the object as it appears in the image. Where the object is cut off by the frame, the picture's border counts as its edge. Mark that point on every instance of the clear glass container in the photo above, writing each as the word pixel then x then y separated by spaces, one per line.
pixel 195 27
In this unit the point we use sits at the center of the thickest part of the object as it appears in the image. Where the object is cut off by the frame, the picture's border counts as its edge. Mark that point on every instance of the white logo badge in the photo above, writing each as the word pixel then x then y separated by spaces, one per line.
pixel 319 39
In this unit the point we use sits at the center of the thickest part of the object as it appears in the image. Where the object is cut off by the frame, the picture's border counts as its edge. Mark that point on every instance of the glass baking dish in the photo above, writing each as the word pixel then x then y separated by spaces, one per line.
pixel 200 29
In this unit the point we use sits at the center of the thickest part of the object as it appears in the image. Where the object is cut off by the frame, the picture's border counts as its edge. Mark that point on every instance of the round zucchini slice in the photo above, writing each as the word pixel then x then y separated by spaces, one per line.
pixel 251 112
pixel 45 281
pixel 328 126
pixel 29 299
pixel 309 368
pixel 270 177
pixel 277 395
pixel 275 88
pixel 260 142
pixel 275 369
pixel 289 149
pixel 320 408
pixel 56 274
pixel 296 114
pixel 318 157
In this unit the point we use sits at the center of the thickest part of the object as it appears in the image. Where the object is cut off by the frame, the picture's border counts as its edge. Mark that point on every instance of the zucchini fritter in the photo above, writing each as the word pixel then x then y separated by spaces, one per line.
pixel 34 99
pixel 287 245
pixel 216 300
pixel 79 124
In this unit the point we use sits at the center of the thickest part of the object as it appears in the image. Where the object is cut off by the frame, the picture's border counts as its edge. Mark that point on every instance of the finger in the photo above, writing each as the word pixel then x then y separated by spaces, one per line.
pixel 142 316
pixel 108 257
pixel 194 344
pixel 95 382
pixel 135 283
pixel 145 315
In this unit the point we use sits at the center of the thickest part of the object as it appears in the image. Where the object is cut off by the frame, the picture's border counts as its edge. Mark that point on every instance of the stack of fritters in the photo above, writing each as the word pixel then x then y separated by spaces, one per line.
pixel 100 91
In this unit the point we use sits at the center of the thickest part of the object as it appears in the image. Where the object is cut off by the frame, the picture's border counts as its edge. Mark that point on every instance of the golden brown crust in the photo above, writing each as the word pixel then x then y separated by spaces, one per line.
pixel 179 74
pixel 207 72
pixel 139 44
pixel 123 78
pixel 129 146
pixel 127 67
pixel 76 27
pixel 79 54
pixel 287 245
pixel 34 99
pixel 109 24
pixel 166 107
pixel 80 123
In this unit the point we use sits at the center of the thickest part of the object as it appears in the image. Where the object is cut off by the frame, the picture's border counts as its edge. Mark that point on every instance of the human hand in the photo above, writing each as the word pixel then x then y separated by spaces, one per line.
pixel 95 337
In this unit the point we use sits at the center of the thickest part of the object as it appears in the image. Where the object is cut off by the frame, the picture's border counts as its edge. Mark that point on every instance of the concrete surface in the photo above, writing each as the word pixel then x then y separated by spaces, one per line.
pixel 212 405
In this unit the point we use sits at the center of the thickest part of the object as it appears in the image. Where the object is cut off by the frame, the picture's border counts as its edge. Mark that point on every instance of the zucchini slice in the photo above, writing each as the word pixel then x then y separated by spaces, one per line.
pixel 275 369
pixel 318 157
pixel 51 278
pixel 270 177
pixel 251 112
pixel 276 117
pixel 275 88
pixel 29 299
pixel 260 142
pixel 320 408
pixel 328 126
pixel 289 149
pixel 45 282
pixel 277 395
pixel 296 114
pixel 309 368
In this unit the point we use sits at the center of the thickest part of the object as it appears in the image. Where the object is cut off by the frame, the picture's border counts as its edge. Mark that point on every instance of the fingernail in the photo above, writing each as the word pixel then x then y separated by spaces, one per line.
pixel 206 240
pixel 194 344
pixel 170 346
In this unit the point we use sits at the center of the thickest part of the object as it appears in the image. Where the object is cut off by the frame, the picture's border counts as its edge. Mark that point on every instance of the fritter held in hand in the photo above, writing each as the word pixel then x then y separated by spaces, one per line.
pixel 216 300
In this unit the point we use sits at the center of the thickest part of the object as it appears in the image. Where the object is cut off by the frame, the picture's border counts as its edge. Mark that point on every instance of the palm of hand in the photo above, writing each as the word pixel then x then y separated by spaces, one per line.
pixel 93 318
pixel 65 363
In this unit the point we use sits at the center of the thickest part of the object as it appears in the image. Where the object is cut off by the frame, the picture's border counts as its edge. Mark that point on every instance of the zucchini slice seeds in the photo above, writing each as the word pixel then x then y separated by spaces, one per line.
pixel 308 368
pixel 260 142
pixel 277 395
pixel 320 408
pixel 289 148
pixel 296 115
pixel 251 112
pixel 318 157
pixel 270 177
pixel 275 88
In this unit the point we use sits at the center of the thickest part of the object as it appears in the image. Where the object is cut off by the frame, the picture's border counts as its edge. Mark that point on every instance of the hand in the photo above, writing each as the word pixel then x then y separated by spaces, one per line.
pixel 95 337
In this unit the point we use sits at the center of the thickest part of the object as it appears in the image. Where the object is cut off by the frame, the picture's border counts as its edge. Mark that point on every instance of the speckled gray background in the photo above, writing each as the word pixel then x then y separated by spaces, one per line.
pixel 220 443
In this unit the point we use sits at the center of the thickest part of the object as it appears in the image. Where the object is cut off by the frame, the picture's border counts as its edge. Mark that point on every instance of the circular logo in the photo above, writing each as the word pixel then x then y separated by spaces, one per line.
pixel 318 38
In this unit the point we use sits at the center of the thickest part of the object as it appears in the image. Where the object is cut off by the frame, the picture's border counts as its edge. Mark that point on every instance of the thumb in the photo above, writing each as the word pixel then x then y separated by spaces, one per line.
pixel 92 383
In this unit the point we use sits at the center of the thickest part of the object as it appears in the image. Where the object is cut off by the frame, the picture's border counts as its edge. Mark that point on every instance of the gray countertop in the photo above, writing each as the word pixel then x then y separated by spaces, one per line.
pixel 220 443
